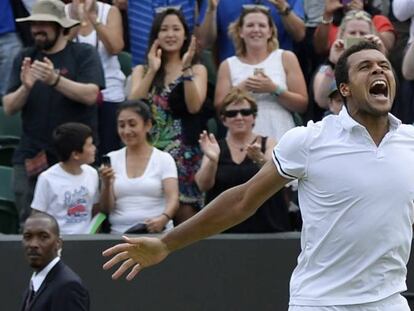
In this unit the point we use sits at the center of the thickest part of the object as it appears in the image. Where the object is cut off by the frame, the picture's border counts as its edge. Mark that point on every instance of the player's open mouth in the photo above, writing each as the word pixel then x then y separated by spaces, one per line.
pixel 379 88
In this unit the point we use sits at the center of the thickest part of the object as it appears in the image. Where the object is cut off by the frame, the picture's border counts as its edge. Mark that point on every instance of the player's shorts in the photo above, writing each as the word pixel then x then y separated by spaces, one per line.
pixel 395 302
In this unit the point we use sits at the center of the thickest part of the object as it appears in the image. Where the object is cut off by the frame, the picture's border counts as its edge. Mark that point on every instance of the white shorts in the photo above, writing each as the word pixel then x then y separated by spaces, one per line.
pixel 395 302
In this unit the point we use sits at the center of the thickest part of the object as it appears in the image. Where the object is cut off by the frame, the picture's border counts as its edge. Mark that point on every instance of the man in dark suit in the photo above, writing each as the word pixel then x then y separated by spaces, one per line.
pixel 53 286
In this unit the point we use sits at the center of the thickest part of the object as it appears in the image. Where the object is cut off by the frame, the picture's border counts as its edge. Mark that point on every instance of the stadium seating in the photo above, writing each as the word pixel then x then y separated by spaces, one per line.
pixel 10 128
pixel 8 212
pixel 6 154
pixel 125 60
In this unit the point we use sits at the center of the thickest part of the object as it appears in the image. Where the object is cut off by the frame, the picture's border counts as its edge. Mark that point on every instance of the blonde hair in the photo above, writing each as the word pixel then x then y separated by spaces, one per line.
pixel 356 15
pixel 234 29
pixel 237 95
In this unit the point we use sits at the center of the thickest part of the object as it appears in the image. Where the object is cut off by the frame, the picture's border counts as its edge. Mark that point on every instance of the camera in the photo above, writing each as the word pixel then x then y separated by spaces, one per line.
pixel 352 41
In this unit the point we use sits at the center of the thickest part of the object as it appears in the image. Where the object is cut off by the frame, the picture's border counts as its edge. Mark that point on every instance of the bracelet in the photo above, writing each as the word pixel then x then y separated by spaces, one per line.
pixel 54 84
pixel 279 90
pixel 166 215
pixel 260 162
pixel 326 21
pixel 286 11
pixel 188 78
pixel 188 67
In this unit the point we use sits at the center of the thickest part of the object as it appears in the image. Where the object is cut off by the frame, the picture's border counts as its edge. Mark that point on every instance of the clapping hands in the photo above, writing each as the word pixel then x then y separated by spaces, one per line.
pixel 189 55
pixel 254 152
pixel 209 146
pixel 154 56
pixel 38 70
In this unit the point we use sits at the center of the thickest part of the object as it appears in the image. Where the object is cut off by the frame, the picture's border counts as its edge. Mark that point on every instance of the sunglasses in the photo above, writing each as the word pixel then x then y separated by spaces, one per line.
pixel 251 7
pixel 234 113
pixel 163 9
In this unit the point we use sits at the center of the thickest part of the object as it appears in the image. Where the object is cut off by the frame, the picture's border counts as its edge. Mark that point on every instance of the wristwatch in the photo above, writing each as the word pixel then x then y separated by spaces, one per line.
pixel 286 11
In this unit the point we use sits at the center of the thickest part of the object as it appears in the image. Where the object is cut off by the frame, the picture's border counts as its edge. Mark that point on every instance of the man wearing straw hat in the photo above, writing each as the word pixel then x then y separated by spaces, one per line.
pixel 51 83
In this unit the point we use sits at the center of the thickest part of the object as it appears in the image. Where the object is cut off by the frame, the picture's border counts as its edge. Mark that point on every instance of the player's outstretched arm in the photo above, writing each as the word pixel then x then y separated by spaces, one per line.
pixel 230 208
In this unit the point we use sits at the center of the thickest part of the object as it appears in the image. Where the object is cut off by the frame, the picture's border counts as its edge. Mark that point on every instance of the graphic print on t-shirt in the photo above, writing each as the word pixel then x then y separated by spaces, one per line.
pixel 75 204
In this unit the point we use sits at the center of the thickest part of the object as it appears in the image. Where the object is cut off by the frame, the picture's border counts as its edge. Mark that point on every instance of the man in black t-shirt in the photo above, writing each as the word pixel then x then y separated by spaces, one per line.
pixel 51 83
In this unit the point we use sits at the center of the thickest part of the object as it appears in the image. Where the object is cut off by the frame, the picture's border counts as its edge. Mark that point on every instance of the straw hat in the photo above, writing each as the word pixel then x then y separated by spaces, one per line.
pixel 49 11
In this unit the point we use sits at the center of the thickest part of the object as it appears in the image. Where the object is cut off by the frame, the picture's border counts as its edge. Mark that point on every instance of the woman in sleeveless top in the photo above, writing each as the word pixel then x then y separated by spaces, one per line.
pixel 101 27
pixel 272 76
pixel 176 88
pixel 235 159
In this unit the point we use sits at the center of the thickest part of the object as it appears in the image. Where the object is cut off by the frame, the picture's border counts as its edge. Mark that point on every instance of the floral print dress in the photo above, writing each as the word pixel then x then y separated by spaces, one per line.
pixel 168 135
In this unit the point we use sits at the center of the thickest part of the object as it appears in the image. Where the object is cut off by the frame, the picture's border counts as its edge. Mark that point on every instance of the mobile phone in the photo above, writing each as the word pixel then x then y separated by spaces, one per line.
pixel 257 71
pixel 352 41
pixel 345 2
pixel 106 160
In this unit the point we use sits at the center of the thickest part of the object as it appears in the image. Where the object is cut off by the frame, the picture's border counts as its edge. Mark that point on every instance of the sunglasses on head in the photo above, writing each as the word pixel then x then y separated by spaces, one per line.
pixel 244 112
pixel 162 9
pixel 251 7
pixel 357 14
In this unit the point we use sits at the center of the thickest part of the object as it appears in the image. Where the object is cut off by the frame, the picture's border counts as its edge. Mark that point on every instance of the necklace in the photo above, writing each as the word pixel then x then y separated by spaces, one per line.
pixel 242 147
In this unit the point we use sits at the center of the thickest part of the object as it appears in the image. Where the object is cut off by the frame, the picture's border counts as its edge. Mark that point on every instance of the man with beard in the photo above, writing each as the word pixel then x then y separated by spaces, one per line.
pixel 52 83
pixel 355 176
pixel 53 285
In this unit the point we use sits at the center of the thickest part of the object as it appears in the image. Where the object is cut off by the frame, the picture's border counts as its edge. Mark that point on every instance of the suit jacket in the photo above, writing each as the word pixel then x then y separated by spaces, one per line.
pixel 62 290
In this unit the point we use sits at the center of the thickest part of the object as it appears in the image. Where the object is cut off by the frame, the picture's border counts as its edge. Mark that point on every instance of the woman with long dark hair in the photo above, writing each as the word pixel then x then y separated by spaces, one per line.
pixel 175 86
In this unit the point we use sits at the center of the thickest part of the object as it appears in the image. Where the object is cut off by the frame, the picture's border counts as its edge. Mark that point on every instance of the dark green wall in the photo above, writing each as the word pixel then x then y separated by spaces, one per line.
pixel 227 272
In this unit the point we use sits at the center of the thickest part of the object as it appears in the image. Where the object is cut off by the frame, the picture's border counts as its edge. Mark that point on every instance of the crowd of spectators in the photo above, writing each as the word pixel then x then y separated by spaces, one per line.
pixel 214 86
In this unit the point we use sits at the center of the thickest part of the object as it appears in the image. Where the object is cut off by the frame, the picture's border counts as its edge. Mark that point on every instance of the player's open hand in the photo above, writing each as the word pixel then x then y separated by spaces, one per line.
pixel 136 254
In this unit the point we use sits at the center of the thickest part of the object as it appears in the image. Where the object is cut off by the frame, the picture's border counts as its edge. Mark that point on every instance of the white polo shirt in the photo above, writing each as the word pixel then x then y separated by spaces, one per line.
pixel 357 206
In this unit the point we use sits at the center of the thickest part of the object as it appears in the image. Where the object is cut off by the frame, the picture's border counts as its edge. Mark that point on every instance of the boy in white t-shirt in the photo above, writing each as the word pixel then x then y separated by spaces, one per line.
pixel 69 190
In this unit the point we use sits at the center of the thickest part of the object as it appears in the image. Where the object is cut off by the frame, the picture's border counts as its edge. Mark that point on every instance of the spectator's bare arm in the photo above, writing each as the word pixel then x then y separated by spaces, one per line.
pixel 324 77
pixel 320 38
pixel 170 186
pixel 223 84
pixel 142 77
pixel 158 223
pixel 110 34
pixel 208 29
pixel 107 198
pixel 14 102
pixel 120 4
pixel 206 176
pixel 295 98
pixel 293 24
pixel 388 39
pixel 321 84
pixel 195 80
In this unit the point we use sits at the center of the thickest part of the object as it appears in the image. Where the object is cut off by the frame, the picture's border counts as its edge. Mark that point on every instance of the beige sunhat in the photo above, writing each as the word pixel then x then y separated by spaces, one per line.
pixel 49 11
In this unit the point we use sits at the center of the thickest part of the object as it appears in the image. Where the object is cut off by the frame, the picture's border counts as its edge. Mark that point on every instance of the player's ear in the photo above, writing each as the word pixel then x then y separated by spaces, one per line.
pixel 344 89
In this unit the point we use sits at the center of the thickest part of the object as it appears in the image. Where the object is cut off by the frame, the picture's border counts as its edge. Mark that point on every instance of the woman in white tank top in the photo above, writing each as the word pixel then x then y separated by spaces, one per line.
pixel 273 76
pixel 101 26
